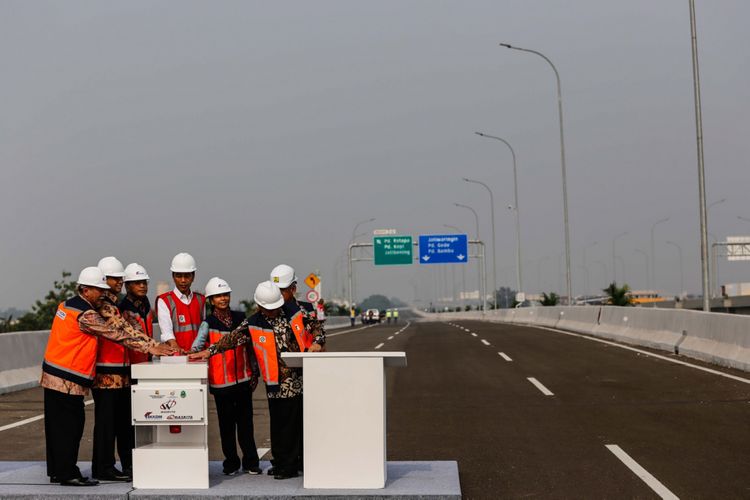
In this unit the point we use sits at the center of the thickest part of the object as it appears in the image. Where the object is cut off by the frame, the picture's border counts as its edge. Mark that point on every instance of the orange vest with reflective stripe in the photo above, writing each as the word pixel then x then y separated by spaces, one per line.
pixel 229 367
pixel 186 318
pixel 112 357
pixel 264 343
pixel 146 324
pixel 71 353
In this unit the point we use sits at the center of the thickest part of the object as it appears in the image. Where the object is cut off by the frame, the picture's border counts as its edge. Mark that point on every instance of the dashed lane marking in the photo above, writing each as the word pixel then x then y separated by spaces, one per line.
pixel 504 356
pixel 539 386
pixel 485 342
pixel 33 419
pixel 473 334
pixel 642 473
pixel 390 338
pixel 379 345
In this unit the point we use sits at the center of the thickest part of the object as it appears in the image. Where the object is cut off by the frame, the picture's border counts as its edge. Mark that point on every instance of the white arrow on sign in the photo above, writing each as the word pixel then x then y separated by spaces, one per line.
pixel 425 258
pixel 460 257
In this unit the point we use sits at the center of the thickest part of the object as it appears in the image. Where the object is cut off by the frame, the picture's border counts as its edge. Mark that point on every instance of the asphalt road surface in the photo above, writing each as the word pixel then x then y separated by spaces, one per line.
pixel 526 412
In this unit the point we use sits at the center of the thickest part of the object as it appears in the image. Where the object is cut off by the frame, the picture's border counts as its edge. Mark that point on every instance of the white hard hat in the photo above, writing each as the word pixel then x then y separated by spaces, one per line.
pixel 268 296
pixel 283 276
pixel 217 286
pixel 183 263
pixel 93 276
pixel 110 266
pixel 135 272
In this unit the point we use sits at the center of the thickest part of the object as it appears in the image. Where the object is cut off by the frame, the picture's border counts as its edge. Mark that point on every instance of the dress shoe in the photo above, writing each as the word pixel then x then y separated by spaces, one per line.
pixel 53 479
pixel 79 481
pixel 113 475
pixel 230 472
pixel 271 471
pixel 285 474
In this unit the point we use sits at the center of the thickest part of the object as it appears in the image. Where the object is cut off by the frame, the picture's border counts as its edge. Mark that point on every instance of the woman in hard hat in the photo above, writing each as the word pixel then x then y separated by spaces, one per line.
pixel 277 327
pixel 232 378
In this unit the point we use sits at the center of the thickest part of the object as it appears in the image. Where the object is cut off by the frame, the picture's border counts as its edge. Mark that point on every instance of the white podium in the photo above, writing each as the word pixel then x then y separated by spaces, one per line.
pixel 344 417
pixel 171 425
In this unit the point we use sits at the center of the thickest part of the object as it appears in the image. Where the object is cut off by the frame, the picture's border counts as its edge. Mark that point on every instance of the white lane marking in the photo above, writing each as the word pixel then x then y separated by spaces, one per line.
pixel 390 338
pixel 33 419
pixel 505 356
pixel 642 473
pixel 539 386
pixel 485 342
pixel 348 331
pixel 473 334
pixel 263 451
pixel 646 353
pixel 379 345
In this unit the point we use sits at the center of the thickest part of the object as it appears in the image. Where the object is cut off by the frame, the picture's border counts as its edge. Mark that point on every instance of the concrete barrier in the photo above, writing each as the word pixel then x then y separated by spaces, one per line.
pixel 658 329
pixel 581 319
pixel 723 339
pixel 548 316
pixel 21 364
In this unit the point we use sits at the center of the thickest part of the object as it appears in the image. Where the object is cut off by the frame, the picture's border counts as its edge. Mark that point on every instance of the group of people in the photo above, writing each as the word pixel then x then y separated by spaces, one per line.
pixel 97 334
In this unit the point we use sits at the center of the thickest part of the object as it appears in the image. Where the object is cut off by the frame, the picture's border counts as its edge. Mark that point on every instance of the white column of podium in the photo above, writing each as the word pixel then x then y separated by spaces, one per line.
pixel 345 417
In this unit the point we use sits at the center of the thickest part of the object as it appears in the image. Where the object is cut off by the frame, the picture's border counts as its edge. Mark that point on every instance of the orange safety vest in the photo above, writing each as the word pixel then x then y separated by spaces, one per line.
pixel 112 357
pixel 264 342
pixel 186 318
pixel 146 324
pixel 230 367
pixel 71 353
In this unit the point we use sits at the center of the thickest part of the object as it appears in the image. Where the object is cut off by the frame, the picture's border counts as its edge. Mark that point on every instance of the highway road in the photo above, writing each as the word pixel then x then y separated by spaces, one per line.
pixel 528 412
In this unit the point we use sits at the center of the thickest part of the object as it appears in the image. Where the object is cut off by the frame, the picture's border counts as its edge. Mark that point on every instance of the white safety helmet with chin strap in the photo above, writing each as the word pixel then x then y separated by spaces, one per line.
pixel 217 286
pixel 135 272
pixel 268 296
pixel 183 263
pixel 110 266
pixel 283 276
pixel 93 276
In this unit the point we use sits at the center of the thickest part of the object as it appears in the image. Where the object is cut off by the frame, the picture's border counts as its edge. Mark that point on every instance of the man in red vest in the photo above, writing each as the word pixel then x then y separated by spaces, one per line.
pixel 181 311
pixel 69 368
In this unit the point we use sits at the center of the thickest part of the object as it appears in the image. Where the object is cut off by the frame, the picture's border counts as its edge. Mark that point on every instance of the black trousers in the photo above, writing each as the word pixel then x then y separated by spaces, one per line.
pixel 234 406
pixel 286 433
pixel 63 428
pixel 112 425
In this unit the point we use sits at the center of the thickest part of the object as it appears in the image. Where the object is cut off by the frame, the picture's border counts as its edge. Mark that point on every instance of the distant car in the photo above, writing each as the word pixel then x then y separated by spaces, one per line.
pixel 371 316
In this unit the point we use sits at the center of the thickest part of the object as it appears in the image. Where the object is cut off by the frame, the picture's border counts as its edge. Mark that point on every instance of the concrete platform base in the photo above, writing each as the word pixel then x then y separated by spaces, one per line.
pixel 406 480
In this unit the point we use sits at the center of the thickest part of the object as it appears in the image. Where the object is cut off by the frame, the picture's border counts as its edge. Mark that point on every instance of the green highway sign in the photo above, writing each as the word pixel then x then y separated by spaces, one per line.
pixel 392 250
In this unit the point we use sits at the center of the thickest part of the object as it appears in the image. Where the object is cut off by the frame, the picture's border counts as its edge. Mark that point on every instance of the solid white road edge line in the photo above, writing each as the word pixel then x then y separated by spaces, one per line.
pixel 539 386
pixel 379 345
pixel 485 342
pixel 505 356
pixel 653 355
pixel 33 419
pixel 642 473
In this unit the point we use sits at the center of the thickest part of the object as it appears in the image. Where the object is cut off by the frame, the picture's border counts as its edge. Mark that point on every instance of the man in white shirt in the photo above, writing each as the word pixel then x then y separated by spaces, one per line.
pixel 181 311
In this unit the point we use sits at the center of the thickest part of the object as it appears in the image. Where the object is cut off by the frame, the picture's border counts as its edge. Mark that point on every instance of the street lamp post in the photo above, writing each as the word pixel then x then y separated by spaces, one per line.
pixel 614 257
pixel 351 271
pixel 645 256
pixel 476 221
pixel 652 277
pixel 568 277
pixel 494 241
pixel 519 275
pixel 701 171
pixel 463 269
pixel 682 275
pixel 587 284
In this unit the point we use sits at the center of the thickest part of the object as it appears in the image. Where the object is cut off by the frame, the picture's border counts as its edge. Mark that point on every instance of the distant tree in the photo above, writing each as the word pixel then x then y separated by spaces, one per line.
pixel 550 300
pixel 376 302
pixel 6 324
pixel 618 295
pixel 43 311
pixel 506 297
pixel 248 306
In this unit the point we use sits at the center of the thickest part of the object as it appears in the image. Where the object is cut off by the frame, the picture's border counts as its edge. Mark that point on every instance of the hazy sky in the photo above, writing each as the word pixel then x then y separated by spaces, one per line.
pixel 256 133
